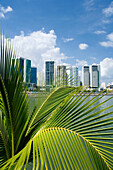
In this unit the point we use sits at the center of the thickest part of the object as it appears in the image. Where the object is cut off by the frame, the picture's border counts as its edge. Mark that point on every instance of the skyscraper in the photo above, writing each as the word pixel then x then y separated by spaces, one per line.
pixel 34 75
pixel 61 75
pixel 27 70
pixel 95 76
pixel 86 76
pixel 40 79
pixel 91 76
pixel 49 73
pixel 74 78
pixel 21 65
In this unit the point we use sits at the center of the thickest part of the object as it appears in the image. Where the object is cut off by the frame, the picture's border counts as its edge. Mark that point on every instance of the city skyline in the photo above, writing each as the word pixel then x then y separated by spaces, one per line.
pixel 68 32
pixel 61 75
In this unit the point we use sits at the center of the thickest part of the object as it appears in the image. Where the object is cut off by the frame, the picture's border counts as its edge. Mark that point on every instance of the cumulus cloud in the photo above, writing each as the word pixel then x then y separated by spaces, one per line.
pixel 67 39
pixel 110 36
pixel 3 11
pixel 107 68
pixel 108 43
pixel 81 62
pixel 100 32
pixel 38 46
pixel 108 11
pixel 83 46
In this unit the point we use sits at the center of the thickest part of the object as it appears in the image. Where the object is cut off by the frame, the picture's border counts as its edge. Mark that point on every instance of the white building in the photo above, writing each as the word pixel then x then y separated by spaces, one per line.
pixel 91 76
pixel 40 81
pixel 95 76
pixel 73 78
pixel 103 85
pixel 61 75
pixel 86 76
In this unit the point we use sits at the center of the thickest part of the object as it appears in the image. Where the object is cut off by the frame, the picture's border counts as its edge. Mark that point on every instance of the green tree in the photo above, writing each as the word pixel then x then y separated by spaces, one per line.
pixel 67 131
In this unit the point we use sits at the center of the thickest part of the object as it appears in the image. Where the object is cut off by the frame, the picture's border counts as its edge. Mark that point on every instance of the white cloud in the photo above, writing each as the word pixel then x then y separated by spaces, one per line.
pixel 108 43
pixel 110 36
pixel 108 11
pixel 106 21
pixel 81 62
pixel 67 39
pixel 93 58
pixel 89 5
pixel 107 68
pixel 4 11
pixel 2 15
pixel 100 32
pixel 39 47
pixel 83 46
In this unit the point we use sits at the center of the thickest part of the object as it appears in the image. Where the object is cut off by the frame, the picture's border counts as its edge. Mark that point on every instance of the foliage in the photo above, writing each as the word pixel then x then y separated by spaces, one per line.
pixel 68 131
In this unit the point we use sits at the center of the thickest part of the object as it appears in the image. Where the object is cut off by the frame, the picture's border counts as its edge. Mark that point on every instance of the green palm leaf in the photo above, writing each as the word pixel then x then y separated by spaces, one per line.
pixel 46 110
pixel 58 148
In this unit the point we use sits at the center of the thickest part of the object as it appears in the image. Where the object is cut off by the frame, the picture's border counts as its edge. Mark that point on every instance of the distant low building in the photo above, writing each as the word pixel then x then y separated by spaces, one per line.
pixel 103 85
pixel 110 86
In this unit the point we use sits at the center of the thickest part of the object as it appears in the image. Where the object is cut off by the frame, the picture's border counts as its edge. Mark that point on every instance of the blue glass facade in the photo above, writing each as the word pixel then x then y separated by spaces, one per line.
pixel 28 71
pixel 50 73
pixel 34 75
pixel 21 65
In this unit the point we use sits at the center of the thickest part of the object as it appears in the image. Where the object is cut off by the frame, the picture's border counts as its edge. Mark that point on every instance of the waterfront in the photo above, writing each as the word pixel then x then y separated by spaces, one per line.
pixel 35 100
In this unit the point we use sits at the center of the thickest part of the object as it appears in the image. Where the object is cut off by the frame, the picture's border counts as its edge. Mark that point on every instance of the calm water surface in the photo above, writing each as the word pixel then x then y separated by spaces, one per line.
pixel 37 101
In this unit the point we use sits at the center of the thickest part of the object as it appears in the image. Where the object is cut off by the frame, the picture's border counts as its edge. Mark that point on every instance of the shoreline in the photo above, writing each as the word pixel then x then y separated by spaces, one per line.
pixel 43 94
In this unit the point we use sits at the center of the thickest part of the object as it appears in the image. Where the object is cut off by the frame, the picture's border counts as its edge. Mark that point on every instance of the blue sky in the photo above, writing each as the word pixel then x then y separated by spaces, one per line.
pixel 67 31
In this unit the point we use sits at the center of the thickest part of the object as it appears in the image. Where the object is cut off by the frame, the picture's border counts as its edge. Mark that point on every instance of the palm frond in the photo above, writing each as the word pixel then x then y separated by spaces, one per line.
pixel 41 115
pixel 58 148
pixel 95 126
pixel 14 98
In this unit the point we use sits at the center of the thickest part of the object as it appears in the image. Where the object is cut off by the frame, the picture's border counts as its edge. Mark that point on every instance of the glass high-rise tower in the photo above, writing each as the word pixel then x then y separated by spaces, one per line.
pixel 61 75
pixel 95 76
pixel 49 73
pixel 27 70
pixel 21 65
pixel 86 76
pixel 74 78
pixel 34 75
pixel 91 76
